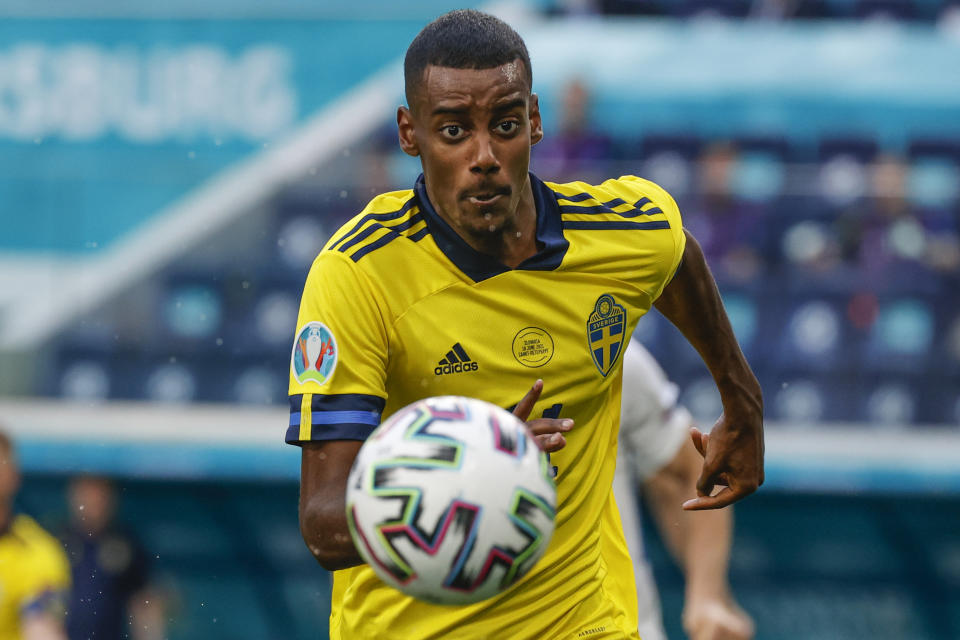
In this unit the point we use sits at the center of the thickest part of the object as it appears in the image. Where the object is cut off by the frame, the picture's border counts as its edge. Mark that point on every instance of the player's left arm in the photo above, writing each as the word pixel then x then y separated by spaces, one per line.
pixel 733 451
pixel 700 543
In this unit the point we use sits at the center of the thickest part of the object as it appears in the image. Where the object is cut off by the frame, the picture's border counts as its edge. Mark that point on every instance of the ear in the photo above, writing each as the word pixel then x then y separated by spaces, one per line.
pixel 536 124
pixel 408 141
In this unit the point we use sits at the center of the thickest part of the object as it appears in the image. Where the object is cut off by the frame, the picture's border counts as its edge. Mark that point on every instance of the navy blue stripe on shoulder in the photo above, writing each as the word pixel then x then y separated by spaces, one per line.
pixel 615 224
pixel 420 235
pixel 387 238
pixel 360 237
pixel 607 207
pixel 363 235
pixel 579 197
pixel 390 215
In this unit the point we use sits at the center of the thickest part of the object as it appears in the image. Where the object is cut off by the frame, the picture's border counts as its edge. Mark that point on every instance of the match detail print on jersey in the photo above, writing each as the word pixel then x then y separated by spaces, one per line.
pixel 533 347
pixel 314 354
pixel 606 329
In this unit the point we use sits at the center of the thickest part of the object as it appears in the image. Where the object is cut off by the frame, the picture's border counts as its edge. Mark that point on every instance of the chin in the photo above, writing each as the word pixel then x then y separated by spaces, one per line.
pixel 496 225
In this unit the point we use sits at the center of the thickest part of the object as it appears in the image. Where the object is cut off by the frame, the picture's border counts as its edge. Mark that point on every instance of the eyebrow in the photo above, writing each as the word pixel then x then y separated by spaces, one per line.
pixel 507 106
pixel 456 111
pixel 451 110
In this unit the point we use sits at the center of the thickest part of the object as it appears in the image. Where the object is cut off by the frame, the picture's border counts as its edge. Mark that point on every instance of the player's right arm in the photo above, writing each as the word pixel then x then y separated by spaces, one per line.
pixel 337 395
pixel 324 467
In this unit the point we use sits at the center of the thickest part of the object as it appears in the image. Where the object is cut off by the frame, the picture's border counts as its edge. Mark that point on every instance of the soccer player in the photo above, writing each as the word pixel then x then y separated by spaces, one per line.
pixel 110 569
pixel 475 282
pixel 657 453
pixel 34 574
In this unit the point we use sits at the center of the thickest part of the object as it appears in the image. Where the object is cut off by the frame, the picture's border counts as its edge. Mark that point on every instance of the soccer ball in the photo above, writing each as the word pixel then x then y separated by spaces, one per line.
pixel 450 500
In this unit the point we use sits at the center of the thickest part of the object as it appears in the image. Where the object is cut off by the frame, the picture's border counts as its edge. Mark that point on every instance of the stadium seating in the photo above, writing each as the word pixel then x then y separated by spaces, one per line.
pixel 223 337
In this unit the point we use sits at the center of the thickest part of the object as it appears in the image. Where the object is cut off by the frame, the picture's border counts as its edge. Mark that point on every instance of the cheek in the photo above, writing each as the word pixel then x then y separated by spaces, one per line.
pixel 439 159
pixel 519 159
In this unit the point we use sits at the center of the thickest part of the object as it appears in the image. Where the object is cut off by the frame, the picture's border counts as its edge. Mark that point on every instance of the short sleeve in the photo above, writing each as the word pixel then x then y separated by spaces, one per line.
pixel 652 425
pixel 339 355
pixel 51 576
pixel 670 251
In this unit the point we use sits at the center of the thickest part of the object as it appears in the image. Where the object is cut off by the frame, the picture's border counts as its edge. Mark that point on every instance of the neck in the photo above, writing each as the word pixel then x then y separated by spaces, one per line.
pixel 5 512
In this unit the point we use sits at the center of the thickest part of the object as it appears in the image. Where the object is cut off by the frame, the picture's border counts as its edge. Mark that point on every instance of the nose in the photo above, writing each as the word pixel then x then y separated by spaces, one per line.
pixel 484 155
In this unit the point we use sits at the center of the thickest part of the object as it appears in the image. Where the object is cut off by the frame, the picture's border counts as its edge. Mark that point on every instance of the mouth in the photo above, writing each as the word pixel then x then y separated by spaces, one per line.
pixel 487 197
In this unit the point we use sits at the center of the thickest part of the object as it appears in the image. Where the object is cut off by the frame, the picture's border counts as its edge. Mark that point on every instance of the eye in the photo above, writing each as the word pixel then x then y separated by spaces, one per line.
pixel 452 131
pixel 508 126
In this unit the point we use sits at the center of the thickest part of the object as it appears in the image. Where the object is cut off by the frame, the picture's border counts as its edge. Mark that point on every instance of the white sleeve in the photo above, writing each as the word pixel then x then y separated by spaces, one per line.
pixel 652 425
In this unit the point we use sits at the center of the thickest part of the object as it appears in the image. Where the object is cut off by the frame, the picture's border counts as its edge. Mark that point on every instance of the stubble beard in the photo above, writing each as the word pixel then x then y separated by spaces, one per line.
pixel 491 233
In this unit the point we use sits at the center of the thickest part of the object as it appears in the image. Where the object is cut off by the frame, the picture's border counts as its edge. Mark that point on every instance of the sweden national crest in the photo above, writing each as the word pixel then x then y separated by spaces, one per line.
pixel 606 329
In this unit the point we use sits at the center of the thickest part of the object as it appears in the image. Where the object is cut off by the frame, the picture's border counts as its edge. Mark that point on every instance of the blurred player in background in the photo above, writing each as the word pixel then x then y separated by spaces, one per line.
pixel 111 596
pixel 656 452
pixel 479 279
pixel 34 574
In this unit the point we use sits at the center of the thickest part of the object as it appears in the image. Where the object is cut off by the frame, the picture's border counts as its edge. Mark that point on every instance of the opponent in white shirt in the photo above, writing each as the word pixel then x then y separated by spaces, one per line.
pixel 657 455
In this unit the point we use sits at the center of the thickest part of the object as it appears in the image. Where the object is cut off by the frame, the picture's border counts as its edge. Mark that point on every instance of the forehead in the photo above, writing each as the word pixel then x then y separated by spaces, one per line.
pixel 450 87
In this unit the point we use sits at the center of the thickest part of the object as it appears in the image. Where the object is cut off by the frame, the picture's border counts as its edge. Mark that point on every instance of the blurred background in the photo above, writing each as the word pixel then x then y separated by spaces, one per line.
pixel 170 170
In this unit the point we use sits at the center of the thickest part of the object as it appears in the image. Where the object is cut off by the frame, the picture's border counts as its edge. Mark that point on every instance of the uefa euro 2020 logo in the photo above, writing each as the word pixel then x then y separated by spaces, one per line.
pixel 314 354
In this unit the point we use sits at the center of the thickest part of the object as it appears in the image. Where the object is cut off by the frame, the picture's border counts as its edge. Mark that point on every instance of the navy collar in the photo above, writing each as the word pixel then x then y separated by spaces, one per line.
pixel 480 266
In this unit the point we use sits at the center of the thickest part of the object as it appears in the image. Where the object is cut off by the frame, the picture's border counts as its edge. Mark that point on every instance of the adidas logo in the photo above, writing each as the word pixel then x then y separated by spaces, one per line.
pixel 456 361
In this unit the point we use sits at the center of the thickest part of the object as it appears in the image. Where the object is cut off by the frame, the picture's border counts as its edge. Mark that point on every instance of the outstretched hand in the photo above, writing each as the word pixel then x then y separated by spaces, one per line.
pixel 732 461
pixel 547 432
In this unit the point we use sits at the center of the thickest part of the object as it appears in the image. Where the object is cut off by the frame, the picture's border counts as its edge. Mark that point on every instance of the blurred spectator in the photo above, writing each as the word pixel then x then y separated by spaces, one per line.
pixel 112 597
pixel 34 574
pixel 889 240
pixel 775 9
pixel 574 7
pixel 949 21
pixel 576 149
pixel 729 230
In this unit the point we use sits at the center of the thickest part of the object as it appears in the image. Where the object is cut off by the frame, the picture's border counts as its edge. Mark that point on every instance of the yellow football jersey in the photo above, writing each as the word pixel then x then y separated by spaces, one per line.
pixel 397 307
pixel 34 574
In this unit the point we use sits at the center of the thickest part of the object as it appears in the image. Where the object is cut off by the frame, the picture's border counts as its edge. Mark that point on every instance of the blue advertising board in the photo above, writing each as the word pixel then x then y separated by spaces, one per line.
pixel 103 122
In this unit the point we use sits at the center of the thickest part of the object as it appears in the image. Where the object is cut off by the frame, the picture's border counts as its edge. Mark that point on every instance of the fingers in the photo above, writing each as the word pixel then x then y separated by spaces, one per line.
pixel 542 426
pixel 723 498
pixel 525 406
pixel 550 442
pixel 548 432
pixel 700 440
